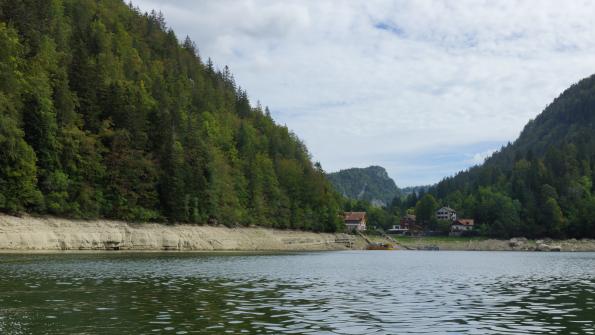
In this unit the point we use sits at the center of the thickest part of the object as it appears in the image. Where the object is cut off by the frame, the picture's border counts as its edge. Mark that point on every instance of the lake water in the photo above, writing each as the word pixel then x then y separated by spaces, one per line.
pixel 352 292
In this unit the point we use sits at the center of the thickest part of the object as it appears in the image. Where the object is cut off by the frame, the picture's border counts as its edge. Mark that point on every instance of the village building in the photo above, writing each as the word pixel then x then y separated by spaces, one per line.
pixel 355 221
pixel 407 221
pixel 399 230
pixel 407 226
pixel 460 226
pixel 446 214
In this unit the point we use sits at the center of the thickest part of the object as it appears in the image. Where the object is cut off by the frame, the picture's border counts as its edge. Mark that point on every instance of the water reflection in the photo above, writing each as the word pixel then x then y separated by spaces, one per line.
pixel 311 293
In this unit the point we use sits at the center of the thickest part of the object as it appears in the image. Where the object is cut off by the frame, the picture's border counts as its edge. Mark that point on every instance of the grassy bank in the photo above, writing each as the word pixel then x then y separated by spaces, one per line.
pixel 451 243
pixel 487 244
pixel 438 239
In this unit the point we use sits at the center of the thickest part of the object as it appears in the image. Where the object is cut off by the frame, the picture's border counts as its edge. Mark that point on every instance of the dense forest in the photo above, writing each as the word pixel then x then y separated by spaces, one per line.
pixel 540 185
pixel 105 113
pixel 371 184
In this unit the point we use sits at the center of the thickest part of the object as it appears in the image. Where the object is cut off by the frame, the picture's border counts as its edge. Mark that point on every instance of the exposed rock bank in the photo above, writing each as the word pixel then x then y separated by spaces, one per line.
pixel 514 244
pixel 30 233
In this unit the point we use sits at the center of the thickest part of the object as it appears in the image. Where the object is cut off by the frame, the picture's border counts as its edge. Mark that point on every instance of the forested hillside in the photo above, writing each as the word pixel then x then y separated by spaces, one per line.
pixel 542 184
pixel 370 184
pixel 105 113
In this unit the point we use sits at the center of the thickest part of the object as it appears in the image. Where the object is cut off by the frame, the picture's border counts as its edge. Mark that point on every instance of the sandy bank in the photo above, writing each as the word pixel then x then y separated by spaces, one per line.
pixel 31 233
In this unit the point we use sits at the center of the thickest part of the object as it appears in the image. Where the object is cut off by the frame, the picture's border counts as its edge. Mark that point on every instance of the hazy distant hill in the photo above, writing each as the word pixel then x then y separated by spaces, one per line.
pixel 405 191
pixel 542 184
pixel 371 184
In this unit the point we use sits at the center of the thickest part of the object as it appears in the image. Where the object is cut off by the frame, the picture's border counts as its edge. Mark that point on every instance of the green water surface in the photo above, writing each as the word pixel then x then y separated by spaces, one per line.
pixel 353 292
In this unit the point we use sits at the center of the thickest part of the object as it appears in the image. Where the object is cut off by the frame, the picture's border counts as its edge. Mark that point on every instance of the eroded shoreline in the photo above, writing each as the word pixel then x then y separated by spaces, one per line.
pixel 31 234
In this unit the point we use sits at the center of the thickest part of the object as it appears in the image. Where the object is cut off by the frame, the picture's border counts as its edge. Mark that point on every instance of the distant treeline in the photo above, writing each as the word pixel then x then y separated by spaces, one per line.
pixel 105 113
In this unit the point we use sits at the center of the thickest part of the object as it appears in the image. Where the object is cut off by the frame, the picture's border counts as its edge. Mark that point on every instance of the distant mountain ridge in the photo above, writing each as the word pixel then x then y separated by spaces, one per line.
pixel 371 184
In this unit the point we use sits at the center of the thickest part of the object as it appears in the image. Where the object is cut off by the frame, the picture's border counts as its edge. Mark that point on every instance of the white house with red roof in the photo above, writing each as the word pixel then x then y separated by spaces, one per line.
pixel 461 225
pixel 355 221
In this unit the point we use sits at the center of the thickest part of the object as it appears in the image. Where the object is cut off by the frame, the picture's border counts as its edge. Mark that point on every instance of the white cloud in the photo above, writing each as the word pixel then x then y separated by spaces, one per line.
pixel 480 157
pixel 386 82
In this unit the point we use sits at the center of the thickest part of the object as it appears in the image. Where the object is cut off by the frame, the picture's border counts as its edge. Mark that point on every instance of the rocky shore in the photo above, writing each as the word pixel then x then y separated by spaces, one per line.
pixel 514 244
pixel 47 234
pixel 27 233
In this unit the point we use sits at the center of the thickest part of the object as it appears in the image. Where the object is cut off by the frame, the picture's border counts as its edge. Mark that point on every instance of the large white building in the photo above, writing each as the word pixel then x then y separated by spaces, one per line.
pixel 446 214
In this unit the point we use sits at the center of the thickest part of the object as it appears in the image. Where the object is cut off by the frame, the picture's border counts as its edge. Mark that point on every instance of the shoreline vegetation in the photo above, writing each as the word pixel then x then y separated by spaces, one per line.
pixel 49 234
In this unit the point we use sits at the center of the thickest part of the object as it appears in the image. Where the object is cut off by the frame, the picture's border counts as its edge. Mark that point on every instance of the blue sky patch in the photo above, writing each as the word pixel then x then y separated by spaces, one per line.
pixel 391 28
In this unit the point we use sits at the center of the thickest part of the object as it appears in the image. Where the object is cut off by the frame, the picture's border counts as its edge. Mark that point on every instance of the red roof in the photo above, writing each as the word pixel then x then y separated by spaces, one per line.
pixel 466 222
pixel 354 216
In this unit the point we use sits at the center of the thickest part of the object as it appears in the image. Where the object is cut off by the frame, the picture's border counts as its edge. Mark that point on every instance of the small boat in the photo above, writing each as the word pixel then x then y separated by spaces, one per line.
pixel 380 246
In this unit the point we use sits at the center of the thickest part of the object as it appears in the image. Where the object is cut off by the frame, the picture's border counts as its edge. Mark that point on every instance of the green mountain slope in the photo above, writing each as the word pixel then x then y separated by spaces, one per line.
pixel 105 113
pixel 542 184
pixel 371 184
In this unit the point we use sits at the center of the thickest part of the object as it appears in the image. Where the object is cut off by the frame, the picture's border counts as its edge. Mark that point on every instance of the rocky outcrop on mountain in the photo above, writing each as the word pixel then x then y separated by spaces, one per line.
pixel 371 184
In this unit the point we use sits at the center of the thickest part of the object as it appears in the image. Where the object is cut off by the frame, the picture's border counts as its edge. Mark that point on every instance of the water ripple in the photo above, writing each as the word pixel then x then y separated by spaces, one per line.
pixel 308 293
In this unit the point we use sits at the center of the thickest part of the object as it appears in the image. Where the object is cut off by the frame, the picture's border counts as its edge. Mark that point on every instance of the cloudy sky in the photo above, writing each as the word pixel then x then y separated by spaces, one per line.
pixel 422 88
